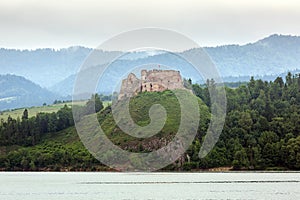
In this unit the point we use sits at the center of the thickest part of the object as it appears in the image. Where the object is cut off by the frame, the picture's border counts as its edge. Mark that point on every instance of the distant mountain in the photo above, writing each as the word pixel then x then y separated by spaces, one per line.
pixel 270 56
pixel 64 87
pixel 42 66
pixel 266 59
pixel 45 67
pixel 17 92
pixel 56 69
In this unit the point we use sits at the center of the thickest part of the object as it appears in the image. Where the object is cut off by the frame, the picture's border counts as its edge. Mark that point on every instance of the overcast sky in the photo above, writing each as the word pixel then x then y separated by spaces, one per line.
pixel 29 24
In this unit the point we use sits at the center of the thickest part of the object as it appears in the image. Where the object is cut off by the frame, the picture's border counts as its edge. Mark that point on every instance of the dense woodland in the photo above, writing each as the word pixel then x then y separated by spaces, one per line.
pixel 44 142
pixel 262 128
pixel 261 132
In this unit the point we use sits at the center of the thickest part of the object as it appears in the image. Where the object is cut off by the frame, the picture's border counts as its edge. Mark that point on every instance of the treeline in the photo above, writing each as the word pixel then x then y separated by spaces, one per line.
pixel 262 128
pixel 28 131
pixel 102 97
pixel 45 143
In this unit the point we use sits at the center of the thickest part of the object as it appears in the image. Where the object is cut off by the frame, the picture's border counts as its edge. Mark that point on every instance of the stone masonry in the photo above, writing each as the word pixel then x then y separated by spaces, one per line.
pixel 151 81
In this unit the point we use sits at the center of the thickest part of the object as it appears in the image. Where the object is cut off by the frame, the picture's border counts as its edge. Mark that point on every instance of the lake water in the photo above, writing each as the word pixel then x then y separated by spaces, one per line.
pixel 89 186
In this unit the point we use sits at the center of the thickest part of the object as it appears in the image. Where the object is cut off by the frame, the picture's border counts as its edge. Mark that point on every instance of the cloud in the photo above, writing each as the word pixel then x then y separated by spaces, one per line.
pixel 48 23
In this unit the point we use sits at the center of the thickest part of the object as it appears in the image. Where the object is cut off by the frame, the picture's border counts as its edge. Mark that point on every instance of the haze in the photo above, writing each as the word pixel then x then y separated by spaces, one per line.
pixel 31 24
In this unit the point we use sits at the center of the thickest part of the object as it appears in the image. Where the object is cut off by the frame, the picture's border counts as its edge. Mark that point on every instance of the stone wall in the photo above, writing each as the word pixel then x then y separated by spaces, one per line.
pixel 130 86
pixel 151 81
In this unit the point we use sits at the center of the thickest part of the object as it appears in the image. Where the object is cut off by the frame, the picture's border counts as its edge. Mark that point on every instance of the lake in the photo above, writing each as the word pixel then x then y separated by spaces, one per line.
pixel 106 185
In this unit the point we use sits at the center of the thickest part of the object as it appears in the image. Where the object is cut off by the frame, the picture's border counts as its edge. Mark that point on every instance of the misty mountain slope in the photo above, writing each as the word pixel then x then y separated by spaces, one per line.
pixel 272 55
pixel 55 69
pixel 42 66
pixel 16 92
pixel 266 59
pixel 64 87
pixel 46 67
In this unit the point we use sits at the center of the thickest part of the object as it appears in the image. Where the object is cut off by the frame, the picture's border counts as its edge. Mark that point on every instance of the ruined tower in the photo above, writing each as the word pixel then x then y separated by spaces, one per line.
pixel 151 81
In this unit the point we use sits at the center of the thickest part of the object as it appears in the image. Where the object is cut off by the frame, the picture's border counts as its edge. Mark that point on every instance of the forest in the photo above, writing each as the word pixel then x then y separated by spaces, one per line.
pixel 261 132
pixel 262 128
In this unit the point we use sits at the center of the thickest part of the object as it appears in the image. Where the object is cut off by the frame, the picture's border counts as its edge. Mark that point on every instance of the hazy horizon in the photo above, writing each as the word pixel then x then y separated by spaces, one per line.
pixel 83 46
pixel 35 24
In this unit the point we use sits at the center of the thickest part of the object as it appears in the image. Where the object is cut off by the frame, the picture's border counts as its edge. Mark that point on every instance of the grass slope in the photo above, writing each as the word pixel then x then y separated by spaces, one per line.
pixel 139 110
pixel 32 111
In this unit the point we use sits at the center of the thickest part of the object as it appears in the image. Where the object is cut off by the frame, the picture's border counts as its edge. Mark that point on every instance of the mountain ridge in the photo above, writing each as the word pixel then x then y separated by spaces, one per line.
pixel 55 69
pixel 17 91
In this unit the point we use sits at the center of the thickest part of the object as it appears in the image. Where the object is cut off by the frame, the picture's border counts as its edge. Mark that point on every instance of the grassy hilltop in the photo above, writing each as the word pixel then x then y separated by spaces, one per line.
pixel 139 110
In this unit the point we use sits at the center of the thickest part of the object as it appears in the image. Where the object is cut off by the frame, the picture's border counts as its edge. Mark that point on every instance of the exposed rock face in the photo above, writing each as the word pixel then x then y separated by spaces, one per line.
pixel 152 81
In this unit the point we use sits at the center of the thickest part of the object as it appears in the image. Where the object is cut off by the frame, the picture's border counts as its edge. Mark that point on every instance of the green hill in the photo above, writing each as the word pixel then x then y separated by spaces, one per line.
pixel 139 110
pixel 63 150
pixel 17 92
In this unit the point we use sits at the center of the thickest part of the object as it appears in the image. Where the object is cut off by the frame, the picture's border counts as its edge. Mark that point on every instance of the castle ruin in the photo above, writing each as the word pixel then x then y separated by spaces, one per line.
pixel 151 81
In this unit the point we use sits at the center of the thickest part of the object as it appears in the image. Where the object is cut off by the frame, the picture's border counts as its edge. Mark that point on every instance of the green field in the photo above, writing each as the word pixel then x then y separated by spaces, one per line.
pixel 32 111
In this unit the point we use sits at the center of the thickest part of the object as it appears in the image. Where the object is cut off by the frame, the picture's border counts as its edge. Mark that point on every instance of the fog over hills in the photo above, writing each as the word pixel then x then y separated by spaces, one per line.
pixel 42 66
pixel 272 55
pixel 56 69
pixel 45 66
pixel 17 92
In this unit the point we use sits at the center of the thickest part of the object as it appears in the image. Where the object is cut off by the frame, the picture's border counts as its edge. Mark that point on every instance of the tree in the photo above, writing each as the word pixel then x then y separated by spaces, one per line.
pixel 288 79
pixel 293 153
pixel 240 160
pixel 25 114
pixel 245 121
pixel 94 104
pixel 279 81
pixel 65 117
